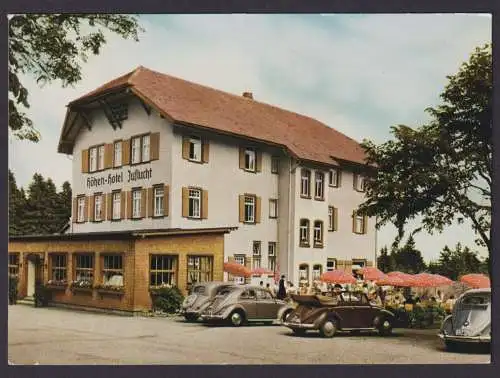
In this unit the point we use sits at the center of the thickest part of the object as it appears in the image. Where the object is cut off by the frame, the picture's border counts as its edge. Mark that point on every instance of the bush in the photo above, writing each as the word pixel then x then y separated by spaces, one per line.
pixel 167 299
pixel 13 281
pixel 42 295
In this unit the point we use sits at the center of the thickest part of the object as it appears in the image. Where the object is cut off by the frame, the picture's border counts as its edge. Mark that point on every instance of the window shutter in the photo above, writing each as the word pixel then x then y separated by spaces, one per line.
pixel 166 197
pixel 258 161
pixel 154 149
pixel 204 204
pixel 126 152
pixel 339 177
pixel 122 204
pixel 257 209
pixel 129 204
pixel 185 147
pixel 355 181
pixel 143 203
pixel 75 210
pixel 205 150
pixel 86 209
pixel 151 201
pixel 354 221
pixel 242 208
pixel 185 202
pixel 109 202
pixel 92 208
pixel 365 224
pixel 108 155
pixel 85 161
pixel 242 158
pixel 335 219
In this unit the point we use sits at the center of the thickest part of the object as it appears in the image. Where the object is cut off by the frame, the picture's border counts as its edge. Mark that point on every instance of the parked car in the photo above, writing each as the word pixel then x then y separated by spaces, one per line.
pixel 200 296
pixel 470 320
pixel 241 304
pixel 343 312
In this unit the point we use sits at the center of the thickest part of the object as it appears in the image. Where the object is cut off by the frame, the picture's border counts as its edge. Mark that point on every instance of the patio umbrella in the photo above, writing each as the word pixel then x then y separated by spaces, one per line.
pixel 371 273
pixel 236 269
pixel 261 271
pixel 442 280
pixel 408 279
pixel 429 280
pixel 476 280
pixel 337 276
pixel 391 281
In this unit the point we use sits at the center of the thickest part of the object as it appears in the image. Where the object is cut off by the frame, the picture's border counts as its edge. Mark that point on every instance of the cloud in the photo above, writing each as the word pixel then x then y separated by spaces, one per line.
pixel 357 73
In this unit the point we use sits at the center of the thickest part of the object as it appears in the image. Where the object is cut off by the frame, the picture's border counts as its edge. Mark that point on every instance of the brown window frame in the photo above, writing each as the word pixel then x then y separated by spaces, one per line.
pixel 103 207
pixel 160 271
pixel 209 273
pixel 98 169
pixel 115 142
pixel 53 257
pixel 77 268
pixel 320 243
pixel 317 175
pixel 104 270
pixel 141 146
pixel 335 184
pixel 305 172
pixel 78 198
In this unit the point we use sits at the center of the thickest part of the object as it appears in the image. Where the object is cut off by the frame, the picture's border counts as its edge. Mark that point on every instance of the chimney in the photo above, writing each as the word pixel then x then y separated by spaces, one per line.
pixel 248 95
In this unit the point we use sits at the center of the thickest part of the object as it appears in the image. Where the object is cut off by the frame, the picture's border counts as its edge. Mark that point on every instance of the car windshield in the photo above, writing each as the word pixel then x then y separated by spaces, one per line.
pixel 224 291
pixel 200 290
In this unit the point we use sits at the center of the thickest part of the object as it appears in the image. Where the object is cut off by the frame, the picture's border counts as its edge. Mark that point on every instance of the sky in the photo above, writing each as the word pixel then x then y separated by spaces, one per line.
pixel 360 74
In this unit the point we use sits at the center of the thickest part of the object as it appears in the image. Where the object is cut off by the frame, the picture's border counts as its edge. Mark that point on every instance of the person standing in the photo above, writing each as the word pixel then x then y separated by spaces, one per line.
pixel 281 288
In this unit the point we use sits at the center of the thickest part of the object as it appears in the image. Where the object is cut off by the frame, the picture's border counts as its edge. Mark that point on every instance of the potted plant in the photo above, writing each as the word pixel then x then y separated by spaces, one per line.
pixel 57 284
pixel 42 295
pixel 82 285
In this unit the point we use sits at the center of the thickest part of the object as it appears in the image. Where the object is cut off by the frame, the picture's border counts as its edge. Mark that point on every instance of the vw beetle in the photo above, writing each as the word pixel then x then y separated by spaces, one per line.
pixel 470 319
pixel 200 296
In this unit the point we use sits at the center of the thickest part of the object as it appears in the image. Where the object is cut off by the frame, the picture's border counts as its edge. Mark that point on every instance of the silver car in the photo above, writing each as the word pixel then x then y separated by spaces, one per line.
pixel 245 303
pixel 200 296
pixel 470 320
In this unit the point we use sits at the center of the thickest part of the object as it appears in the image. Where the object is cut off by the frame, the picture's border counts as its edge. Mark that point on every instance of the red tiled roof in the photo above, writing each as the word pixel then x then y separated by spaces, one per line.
pixel 196 104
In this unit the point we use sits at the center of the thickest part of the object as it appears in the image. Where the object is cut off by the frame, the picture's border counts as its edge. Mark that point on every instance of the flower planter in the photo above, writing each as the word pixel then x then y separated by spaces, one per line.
pixel 111 292
pixel 77 289
pixel 56 287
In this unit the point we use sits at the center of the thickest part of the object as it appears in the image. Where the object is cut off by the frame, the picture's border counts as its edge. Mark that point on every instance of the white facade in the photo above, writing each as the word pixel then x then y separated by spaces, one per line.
pixel 224 181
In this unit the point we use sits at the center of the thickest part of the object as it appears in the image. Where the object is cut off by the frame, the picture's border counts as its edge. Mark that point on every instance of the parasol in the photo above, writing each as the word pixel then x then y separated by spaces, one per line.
pixel 337 276
pixel 236 269
pixel 476 280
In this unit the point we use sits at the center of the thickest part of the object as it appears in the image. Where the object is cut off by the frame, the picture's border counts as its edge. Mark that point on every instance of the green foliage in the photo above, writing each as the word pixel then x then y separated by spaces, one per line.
pixel 440 171
pixel 13 282
pixel 52 47
pixel 457 262
pixel 405 259
pixel 167 299
pixel 385 262
pixel 42 211
pixel 42 295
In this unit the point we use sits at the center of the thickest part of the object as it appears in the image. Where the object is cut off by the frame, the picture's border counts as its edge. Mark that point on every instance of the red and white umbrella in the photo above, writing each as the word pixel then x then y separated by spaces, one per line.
pixel 408 279
pixel 236 269
pixel 262 271
pixel 371 273
pixel 430 280
pixel 476 280
pixel 337 276
pixel 391 281
pixel 442 280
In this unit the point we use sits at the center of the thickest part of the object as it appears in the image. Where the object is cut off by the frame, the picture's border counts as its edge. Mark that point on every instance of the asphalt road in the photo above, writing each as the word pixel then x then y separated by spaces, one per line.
pixel 57 336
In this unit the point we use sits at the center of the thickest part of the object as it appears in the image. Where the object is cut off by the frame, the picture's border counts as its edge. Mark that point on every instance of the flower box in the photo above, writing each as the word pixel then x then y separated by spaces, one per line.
pixel 57 285
pixel 77 289
pixel 110 290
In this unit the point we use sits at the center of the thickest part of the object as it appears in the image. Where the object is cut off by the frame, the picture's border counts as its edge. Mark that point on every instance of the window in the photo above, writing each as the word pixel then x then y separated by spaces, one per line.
pixel 93 159
pixel 158 194
pixel 271 256
pixel 256 254
pixel 195 148
pixel 13 264
pixel 334 178
pixel 359 223
pixel 305 186
pixel 319 188
pixel 194 203
pixel 146 142
pixel 84 268
pixel 81 209
pixel 249 209
pixel 112 271
pixel 331 264
pixel 304 232
pixel 117 158
pixel 58 267
pixel 332 218
pixel 136 203
pixel 100 155
pixel 263 295
pixel 359 182
pixel 239 259
pixel 273 208
pixel 303 274
pixel 250 159
pixel 275 164
pixel 136 150
pixel 200 269
pixel 318 233
pixel 117 197
pixel 357 264
pixel 162 270
pixel 316 272
pixel 98 207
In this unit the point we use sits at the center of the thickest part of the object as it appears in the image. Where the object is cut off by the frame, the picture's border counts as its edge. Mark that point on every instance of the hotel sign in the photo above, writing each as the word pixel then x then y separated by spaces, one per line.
pixel 129 175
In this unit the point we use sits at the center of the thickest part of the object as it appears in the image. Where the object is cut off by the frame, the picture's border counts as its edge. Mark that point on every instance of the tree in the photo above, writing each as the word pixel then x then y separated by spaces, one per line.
pixel 454 263
pixel 52 47
pixel 385 262
pixel 408 259
pixel 440 171
pixel 17 203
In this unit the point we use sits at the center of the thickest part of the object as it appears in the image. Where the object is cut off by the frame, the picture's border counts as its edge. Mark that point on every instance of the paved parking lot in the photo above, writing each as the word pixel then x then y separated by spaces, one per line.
pixel 58 336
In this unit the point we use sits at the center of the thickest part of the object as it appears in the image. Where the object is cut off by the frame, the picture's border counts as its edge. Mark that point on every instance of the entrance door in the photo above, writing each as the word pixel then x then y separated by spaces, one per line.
pixel 31 278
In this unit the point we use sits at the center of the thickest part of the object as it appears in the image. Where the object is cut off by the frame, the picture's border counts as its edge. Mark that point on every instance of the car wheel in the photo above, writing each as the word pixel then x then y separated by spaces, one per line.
pixel 385 327
pixel 328 328
pixel 299 331
pixel 285 315
pixel 236 318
